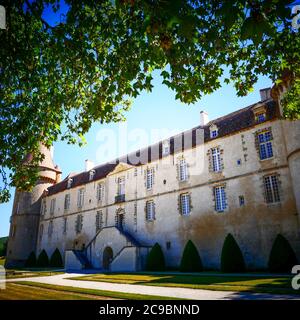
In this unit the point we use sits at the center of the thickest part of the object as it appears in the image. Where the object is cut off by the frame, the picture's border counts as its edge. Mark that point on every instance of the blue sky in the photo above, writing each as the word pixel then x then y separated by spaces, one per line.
pixel 155 110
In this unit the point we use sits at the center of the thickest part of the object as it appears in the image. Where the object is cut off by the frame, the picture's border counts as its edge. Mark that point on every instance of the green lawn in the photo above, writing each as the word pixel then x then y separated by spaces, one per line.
pixel 253 283
pixel 38 291
pixel 2 242
pixel 15 274
pixel 2 261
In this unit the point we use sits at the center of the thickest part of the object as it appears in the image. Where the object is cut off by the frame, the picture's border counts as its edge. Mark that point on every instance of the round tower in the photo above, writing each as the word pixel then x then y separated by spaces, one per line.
pixel 26 210
pixel 291 132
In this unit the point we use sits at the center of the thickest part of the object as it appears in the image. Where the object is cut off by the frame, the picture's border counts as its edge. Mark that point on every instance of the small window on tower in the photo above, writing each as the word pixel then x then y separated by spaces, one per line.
pixel 166 148
pixel 70 183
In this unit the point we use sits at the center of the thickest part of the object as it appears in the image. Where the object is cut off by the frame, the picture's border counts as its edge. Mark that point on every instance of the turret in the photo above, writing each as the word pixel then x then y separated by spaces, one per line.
pixel 25 216
pixel 291 132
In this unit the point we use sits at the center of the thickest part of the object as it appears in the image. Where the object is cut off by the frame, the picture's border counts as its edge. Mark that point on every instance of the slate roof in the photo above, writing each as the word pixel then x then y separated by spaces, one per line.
pixel 227 125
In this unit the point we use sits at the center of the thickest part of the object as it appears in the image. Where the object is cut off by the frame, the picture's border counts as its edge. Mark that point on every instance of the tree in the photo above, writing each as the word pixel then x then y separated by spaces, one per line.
pixel 232 259
pixel 190 261
pixel 59 78
pixel 31 260
pixel 56 259
pixel 282 257
pixel 155 259
pixel 43 260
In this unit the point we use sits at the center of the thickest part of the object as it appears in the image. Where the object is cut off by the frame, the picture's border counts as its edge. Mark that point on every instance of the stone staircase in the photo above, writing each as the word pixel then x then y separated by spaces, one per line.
pixel 128 253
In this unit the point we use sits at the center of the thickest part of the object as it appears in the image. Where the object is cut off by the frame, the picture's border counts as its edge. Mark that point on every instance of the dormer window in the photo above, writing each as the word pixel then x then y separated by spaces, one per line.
pixel 261 117
pixel 92 174
pixel 166 148
pixel 259 112
pixel 213 131
pixel 70 181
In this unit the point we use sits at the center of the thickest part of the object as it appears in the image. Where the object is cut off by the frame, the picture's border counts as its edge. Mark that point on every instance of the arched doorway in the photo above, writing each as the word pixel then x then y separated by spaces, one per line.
pixel 107 257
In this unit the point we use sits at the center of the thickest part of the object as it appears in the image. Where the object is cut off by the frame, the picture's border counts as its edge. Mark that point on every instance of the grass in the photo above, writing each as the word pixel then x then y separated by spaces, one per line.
pixel 2 261
pixel 240 283
pixel 39 291
pixel 2 242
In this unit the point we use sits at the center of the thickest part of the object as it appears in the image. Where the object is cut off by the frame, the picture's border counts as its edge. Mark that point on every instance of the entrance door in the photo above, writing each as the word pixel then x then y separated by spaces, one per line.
pixel 107 257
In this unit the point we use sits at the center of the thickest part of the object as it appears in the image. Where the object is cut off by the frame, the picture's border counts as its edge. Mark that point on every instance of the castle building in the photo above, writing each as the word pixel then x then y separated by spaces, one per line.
pixel 237 174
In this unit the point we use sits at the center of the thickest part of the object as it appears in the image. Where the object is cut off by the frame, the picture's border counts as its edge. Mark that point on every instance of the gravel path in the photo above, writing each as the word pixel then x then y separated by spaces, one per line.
pixel 184 293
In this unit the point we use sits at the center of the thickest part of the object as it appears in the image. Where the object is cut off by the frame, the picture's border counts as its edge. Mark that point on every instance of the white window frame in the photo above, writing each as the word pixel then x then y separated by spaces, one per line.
pixel 65 225
pixel 185 203
pixel 220 198
pixel 50 228
pixel 165 148
pixel 214 133
pixel 183 170
pixel 272 191
pixel 67 201
pixel 150 210
pixel 265 145
pixel 69 185
pixel 100 191
pixel 52 206
pixel 149 178
pixel 91 175
pixel 216 159
pixel 99 220
pixel 121 186
pixel 80 198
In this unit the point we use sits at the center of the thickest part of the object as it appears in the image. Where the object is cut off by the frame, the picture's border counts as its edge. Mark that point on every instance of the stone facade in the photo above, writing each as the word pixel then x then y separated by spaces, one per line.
pixel 221 184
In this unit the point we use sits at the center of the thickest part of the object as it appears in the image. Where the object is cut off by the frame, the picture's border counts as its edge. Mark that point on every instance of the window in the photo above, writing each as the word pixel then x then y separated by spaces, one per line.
pixel 265 145
pixel 150 178
pixel 214 133
pixel 168 245
pixel 43 207
pixel 69 183
pixel 216 159
pixel 150 211
pixel 65 226
pixel 100 191
pixel 183 173
pixel 220 199
pixel 239 162
pixel 92 174
pixel 52 206
pixel 242 201
pixel 135 172
pixel 78 223
pixel 185 205
pixel 41 232
pixel 80 198
pixel 67 202
pixel 260 117
pixel 166 148
pixel 271 189
pixel 121 186
pixel 99 220
pixel 50 228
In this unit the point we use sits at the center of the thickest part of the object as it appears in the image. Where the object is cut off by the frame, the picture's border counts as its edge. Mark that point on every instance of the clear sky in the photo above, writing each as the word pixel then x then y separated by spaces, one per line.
pixel 156 110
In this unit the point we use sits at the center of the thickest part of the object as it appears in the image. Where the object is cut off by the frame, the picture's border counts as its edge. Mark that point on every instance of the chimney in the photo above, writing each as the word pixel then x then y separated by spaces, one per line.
pixel 203 118
pixel 88 165
pixel 265 94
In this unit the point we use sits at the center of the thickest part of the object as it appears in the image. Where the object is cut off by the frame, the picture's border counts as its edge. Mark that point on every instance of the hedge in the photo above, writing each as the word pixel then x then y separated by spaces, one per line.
pixel 190 261
pixel 56 260
pixel 155 259
pixel 232 258
pixel 282 257
pixel 43 260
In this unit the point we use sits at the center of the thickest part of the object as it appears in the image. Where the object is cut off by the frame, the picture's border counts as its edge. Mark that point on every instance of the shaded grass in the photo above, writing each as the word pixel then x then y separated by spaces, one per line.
pixel 2 261
pixel 253 283
pixel 24 290
pixel 16 274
